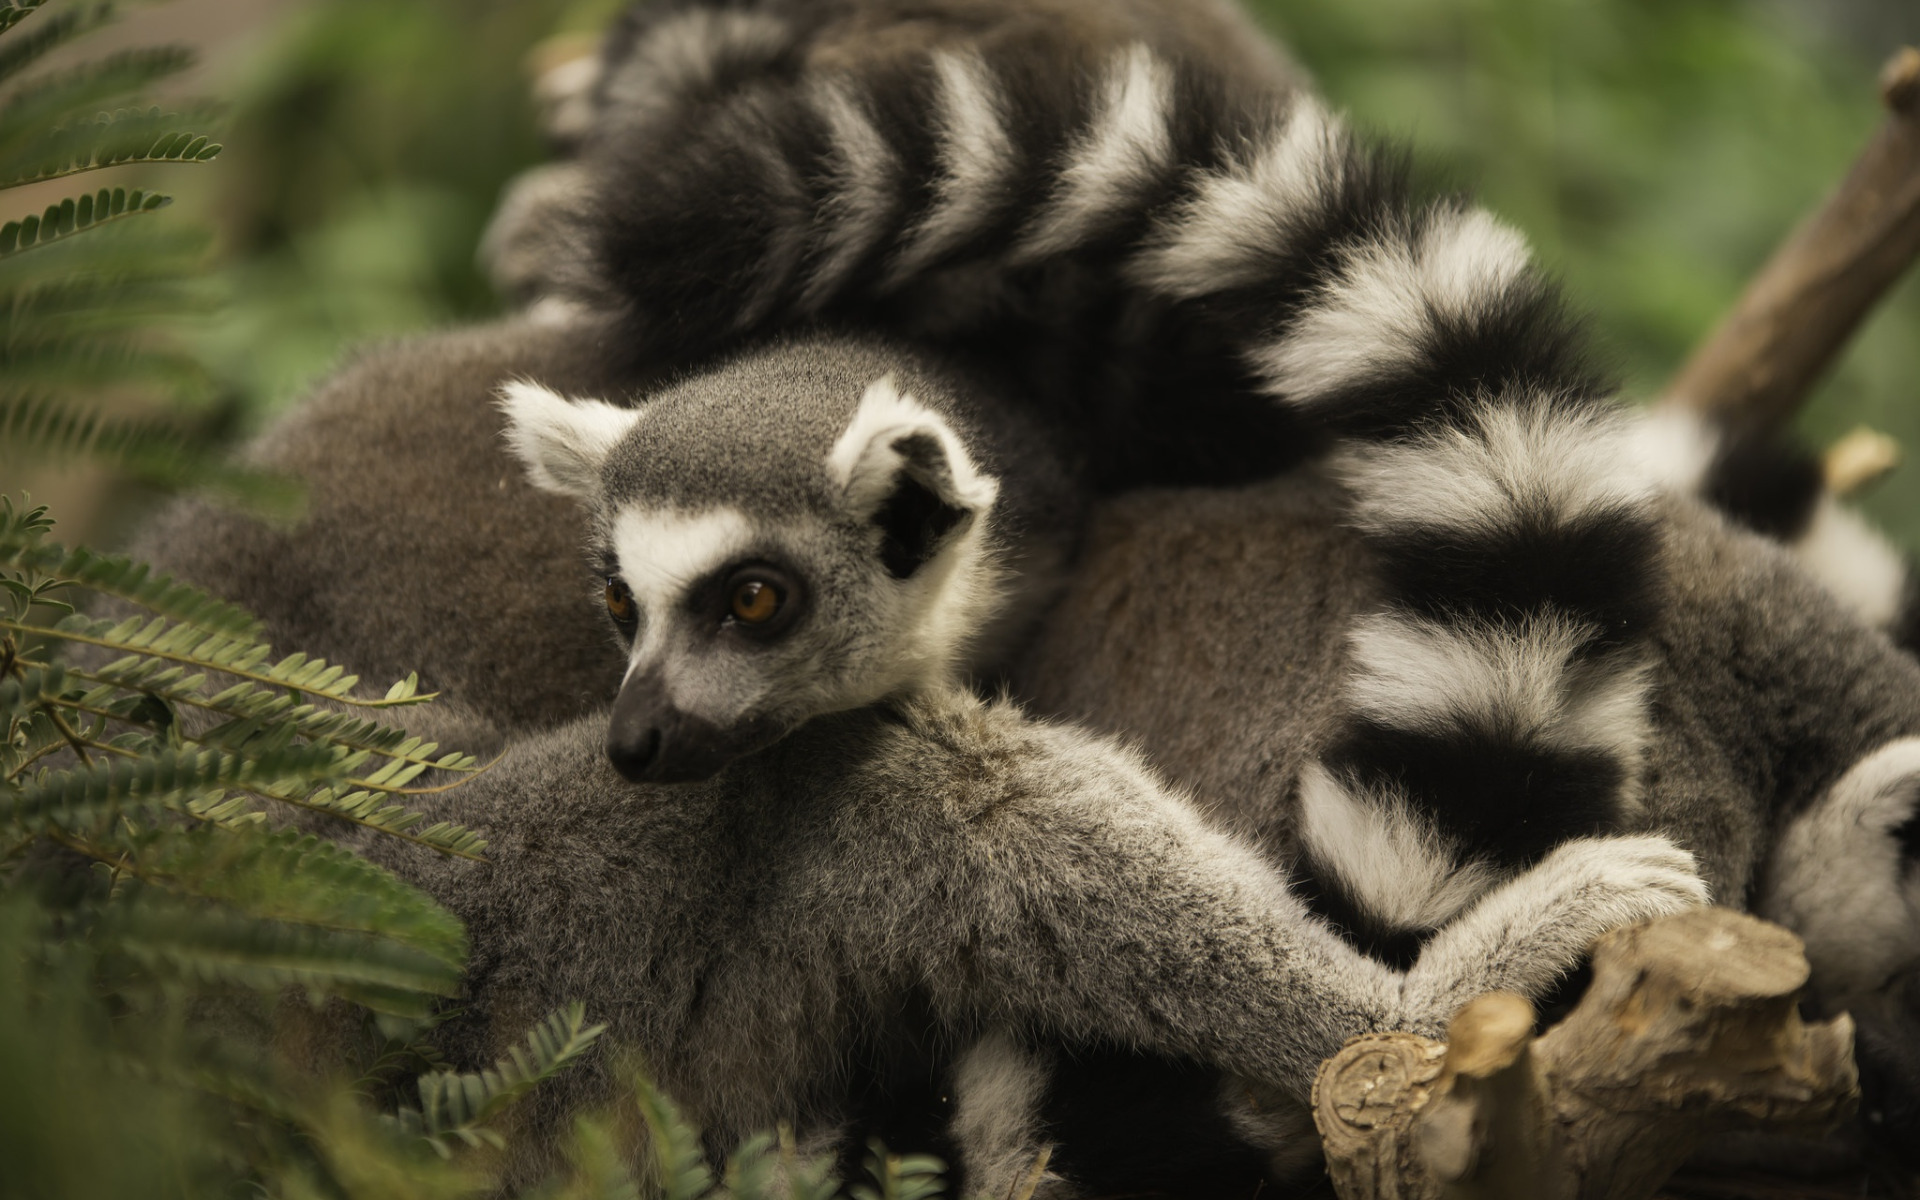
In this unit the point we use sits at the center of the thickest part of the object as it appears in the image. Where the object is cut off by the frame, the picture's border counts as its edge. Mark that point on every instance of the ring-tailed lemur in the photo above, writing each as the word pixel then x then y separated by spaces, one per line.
pixel 1402 331
pixel 1497 703
pixel 926 854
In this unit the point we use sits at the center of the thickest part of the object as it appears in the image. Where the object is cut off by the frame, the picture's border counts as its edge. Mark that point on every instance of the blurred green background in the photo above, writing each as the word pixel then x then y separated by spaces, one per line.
pixel 1655 150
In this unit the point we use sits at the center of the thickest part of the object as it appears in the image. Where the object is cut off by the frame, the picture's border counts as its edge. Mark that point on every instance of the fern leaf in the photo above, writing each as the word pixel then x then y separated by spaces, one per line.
pixel 457 1106
pixel 12 12
pixel 300 879
pixel 805 1178
pixel 153 450
pixel 78 797
pixel 21 694
pixel 190 645
pixel 679 1165
pixel 52 99
pixel 175 938
pixel 375 811
pixel 752 1171
pixel 900 1177
pixel 106 140
pixel 128 296
pixel 17 53
pixel 75 216
pixel 89 362
pixel 23 547
pixel 599 1170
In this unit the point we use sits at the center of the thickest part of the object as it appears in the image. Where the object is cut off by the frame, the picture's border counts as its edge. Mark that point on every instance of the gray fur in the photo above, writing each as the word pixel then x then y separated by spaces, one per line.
pixel 421 545
pixel 750 934
pixel 1765 689
pixel 788 461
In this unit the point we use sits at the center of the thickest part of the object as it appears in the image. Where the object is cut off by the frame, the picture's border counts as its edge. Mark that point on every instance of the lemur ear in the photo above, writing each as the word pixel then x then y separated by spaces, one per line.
pixel 902 463
pixel 562 441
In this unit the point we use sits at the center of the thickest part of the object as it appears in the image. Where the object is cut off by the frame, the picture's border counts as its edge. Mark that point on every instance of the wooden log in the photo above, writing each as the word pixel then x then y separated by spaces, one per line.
pixel 1689 1028
pixel 1756 369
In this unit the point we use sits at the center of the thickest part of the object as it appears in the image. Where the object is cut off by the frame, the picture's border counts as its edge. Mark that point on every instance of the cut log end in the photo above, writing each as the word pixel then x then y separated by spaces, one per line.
pixel 1716 952
pixel 1689 1028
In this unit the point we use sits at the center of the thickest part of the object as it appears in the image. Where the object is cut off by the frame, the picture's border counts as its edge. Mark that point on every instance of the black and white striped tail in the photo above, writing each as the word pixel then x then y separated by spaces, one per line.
pixel 1497 702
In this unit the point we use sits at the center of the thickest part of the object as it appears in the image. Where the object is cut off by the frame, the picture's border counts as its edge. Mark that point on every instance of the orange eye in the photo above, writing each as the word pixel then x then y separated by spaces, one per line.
pixel 619 600
pixel 755 602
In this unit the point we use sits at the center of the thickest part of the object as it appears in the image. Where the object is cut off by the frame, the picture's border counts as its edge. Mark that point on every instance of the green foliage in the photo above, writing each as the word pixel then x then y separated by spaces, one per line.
pixel 153 870
pixel 1656 153
pixel 170 754
pixel 456 1107
pixel 88 283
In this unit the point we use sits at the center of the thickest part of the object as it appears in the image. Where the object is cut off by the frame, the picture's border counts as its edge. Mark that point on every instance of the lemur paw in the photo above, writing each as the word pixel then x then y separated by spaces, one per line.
pixel 1615 881
pixel 1525 934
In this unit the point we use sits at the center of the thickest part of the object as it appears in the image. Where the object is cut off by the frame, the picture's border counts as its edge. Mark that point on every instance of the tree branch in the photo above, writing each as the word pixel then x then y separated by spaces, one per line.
pixel 1689 1028
pixel 1758 366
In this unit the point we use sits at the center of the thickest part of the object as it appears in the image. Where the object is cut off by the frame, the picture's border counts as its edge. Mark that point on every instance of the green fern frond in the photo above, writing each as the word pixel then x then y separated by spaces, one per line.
pixel 132 296
pixel 376 811
pixel 78 797
pixel 179 939
pixel 107 140
pixel 599 1171
pixel 17 53
pixel 25 548
pixel 752 1171
pixel 26 691
pixel 805 1178
pixel 300 879
pixel 53 98
pixel 191 645
pixel 456 1107
pixel 75 216
pixel 900 1176
pixel 153 450
pixel 12 12
pixel 115 255
pixel 680 1167
pixel 47 360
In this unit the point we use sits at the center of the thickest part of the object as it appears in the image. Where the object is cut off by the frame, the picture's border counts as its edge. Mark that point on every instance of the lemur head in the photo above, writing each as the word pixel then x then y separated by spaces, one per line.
pixel 800 532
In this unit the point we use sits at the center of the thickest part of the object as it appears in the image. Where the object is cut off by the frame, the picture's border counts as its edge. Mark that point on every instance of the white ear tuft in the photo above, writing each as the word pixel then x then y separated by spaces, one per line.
pixel 562 441
pixel 892 431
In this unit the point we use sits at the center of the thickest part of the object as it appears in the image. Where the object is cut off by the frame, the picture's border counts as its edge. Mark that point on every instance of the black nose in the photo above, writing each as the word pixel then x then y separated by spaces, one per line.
pixel 633 750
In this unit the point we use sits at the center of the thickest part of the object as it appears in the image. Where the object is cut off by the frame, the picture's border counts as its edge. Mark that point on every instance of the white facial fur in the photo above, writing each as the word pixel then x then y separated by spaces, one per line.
pixel 663 550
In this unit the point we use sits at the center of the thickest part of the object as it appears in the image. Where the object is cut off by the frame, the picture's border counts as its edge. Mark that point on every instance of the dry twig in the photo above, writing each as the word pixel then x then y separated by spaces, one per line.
pixel 1759 365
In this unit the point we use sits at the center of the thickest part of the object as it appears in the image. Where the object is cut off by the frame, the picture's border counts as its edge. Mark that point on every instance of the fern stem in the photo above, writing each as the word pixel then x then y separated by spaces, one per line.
pixel 296 802
pixel 336 814
pixel 36 756
pixel 73 739
pixel 352 782
pixel 349 743
pixel 474 773
pixel 249 676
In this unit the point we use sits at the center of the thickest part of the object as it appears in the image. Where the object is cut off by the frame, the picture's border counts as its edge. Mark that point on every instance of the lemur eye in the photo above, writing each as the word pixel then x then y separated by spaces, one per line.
pixel 619 601
pixel 755 601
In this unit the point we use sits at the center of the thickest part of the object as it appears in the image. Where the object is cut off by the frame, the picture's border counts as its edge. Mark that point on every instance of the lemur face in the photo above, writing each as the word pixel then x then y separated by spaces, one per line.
pixel 790 536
